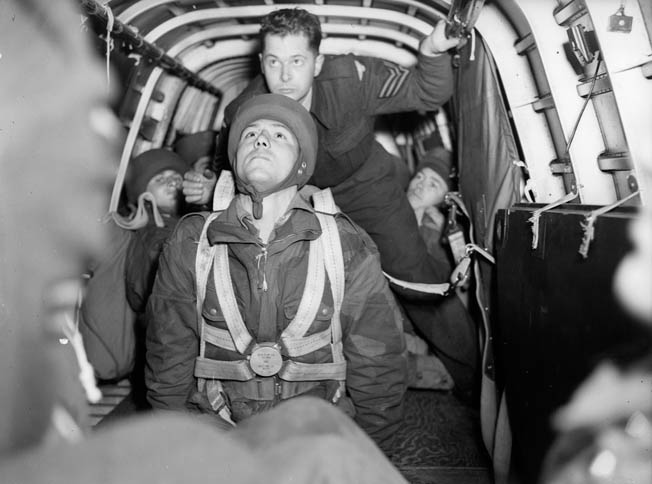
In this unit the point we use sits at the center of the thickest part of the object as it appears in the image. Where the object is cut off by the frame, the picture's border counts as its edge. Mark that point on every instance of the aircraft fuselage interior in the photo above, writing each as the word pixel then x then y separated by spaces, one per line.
pixel 550 129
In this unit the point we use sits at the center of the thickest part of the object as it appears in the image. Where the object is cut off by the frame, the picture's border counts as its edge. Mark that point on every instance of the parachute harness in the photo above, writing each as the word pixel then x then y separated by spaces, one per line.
pixel 461 271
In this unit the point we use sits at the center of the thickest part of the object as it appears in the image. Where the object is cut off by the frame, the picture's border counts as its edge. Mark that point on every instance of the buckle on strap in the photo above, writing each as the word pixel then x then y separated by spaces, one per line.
pixel 265 359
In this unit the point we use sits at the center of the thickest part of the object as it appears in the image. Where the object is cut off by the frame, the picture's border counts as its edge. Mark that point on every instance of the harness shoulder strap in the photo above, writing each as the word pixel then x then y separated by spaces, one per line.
pixel 325 210
pixel 224 193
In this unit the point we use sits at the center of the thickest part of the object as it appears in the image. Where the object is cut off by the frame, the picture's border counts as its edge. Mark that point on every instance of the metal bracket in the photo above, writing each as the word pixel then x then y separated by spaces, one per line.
pixel 561 166
pixel 525 44
pixel 583 43
pixel 566 14
pixel 462 16
pixel 614 161
pixel 647 70
pixel 543 103
pixel 602 85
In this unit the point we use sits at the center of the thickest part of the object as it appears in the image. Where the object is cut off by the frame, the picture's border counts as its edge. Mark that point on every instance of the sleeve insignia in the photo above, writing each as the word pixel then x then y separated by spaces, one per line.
pixel 360 68
pixel 395 79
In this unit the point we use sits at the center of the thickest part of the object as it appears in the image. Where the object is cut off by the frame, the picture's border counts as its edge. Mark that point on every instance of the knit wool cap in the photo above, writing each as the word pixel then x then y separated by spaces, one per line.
pixel 196 145
pixel 440 160
pixel 292 114
pixel 146 165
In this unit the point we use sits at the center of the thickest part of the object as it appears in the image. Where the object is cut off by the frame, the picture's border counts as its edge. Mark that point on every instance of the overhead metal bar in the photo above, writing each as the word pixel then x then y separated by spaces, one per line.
pixel 147 49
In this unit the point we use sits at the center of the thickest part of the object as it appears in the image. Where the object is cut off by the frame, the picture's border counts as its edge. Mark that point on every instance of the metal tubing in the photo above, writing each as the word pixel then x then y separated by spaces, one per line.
pixel 148 49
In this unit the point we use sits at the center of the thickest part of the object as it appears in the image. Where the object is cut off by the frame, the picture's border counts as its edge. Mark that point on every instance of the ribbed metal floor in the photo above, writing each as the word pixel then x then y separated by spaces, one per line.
pixel 112 395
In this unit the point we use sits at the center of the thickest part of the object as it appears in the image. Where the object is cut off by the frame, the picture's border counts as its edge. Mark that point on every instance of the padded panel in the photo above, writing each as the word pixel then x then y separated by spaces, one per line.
pixel 556 318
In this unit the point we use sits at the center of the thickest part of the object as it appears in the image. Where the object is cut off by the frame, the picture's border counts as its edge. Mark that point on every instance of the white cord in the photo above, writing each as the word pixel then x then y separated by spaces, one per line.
pixel 109 41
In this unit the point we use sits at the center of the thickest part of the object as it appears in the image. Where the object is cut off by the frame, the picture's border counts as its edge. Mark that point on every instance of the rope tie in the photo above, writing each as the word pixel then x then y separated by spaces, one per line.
pixel 140 217
pixel 534 219
pixel 527 189
pixel 471 248
pixel 109 41
pixel 82 24
pixel 472 56
pixel 135 57
pixel 59 300
pixel 588 224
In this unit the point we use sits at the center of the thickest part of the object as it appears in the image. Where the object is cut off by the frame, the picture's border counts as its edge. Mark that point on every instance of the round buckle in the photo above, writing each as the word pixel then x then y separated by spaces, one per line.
pixel 265 359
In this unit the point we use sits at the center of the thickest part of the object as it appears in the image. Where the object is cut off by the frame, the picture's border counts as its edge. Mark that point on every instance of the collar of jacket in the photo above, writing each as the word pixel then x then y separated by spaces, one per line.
pixel 233 226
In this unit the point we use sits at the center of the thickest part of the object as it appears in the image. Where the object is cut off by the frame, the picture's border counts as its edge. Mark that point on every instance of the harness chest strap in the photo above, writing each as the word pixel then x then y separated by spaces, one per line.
pixel 295 346
pixel 308 307
pixel 290 370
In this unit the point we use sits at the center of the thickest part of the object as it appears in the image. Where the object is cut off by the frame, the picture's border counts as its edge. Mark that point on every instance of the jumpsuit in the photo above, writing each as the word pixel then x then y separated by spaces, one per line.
pixel 268 281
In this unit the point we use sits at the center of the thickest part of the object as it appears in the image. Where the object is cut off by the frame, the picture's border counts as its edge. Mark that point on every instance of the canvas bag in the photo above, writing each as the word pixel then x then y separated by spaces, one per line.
pixel 107 322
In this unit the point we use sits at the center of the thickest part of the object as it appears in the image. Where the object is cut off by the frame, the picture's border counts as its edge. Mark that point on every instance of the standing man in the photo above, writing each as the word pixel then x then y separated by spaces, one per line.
pixel 344 94
pixel 265 319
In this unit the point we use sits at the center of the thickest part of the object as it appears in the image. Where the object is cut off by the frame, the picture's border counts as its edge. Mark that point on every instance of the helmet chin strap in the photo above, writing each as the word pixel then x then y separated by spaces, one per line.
pixel 256 196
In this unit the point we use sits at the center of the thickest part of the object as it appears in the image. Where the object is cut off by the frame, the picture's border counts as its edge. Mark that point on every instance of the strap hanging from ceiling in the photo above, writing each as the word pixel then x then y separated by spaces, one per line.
pixel 147 49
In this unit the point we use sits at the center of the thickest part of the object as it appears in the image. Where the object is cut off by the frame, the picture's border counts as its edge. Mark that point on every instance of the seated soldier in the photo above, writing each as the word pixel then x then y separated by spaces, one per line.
pixel 426 193
pixel 272 325
pixel 159 174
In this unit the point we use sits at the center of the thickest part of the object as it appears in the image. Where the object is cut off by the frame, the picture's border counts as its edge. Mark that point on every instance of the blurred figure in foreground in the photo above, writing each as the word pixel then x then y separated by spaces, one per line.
pixel 57 140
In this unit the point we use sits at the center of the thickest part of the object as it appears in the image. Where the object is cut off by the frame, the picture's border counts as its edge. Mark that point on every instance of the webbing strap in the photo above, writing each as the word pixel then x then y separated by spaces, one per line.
pixel 223 370
pixel 224 191
pixel 308 307
pixel 334 261
pixel 291 370
pixel 217 337
pixel 295 371
pixel 203 259
pixel 226 298
pixel 307 344
pixel 310 301
pixel 439 288
pixel 262 389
